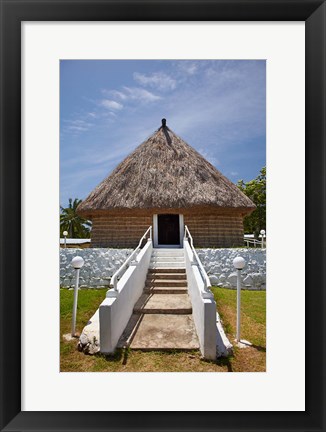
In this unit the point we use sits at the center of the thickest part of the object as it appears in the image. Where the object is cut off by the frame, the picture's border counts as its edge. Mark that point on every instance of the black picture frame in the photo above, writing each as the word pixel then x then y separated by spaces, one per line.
pixel 13 13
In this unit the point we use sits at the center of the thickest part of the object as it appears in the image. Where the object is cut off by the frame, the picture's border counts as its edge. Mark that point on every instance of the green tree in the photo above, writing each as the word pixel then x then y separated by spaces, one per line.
pixel 76 226
pixel 256 191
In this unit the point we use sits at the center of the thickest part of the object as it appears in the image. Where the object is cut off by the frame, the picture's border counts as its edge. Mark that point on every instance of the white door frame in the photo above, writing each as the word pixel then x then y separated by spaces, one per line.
pixel 155 233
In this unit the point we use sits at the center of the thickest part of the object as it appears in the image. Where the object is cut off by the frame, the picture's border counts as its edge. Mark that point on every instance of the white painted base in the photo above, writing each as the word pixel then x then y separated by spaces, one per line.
pixel 243 343
pixel 68 337
pixel 224 347
pixel 203 309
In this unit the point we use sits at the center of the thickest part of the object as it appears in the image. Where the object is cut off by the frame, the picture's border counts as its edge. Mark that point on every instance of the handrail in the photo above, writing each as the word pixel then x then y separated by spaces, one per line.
pixel 253 241
pixel 124 266
pixel 207 283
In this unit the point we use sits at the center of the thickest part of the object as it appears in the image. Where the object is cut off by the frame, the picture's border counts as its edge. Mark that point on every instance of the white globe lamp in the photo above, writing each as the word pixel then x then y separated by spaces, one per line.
pixel 239 263
pixel 65 233
pixel 262 233
pixel 77 262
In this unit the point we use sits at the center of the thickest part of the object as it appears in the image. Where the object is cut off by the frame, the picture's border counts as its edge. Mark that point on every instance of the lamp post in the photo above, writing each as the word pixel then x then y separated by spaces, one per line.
pixel 238 263
pixel 65 233
pixel 77 263
pixel 262 233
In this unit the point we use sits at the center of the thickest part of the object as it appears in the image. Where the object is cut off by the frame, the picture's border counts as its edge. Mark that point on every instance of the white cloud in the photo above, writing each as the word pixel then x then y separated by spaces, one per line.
pixel 136 94
pixel 111 104
pixel 191 69
pixel 158 80
pixel 188 67
pixel 139 94
pixel 78 128
pixel 78 125
pixel 115 94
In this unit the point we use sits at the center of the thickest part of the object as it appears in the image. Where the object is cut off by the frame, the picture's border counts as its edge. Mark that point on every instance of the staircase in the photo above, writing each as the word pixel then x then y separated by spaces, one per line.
pixel 167 259
pixel 162 317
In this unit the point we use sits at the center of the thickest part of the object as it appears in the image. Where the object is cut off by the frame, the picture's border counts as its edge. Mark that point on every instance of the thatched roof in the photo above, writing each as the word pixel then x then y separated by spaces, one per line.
pixel 164 172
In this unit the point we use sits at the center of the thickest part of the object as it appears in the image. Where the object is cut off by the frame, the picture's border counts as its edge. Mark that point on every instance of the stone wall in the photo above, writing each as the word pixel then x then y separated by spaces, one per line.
pixel 100 264
pixel 218 264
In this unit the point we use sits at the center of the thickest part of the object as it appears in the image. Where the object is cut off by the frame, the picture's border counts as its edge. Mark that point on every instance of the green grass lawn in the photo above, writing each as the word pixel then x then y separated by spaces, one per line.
pixel 88 301
pixel 253 314
pixel 253 329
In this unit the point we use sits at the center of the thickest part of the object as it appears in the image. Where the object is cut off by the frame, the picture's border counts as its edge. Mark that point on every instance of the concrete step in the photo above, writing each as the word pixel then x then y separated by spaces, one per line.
pixel 167 258
pixel 168 251
pixel 166 275
pixel 130 331
pixel 155 255
pixel 165 290
pixel 166 283
pixel 174 270
pixel 166 264
pixel 160 332
pixel 168 255
pixel 163 304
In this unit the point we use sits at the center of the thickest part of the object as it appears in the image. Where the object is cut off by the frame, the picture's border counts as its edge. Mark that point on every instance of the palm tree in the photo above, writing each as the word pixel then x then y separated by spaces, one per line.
pixel 76 226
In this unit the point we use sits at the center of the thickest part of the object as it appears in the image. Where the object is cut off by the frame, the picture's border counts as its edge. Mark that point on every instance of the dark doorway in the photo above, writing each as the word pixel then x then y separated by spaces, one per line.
pixel 168 229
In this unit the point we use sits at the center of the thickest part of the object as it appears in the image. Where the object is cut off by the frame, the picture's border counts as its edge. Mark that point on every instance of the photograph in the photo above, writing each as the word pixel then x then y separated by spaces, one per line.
pixel 163 232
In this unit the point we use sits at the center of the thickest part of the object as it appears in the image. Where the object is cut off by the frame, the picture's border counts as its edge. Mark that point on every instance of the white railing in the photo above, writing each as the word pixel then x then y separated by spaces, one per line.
pixel 254 242
pixel 125 265
pixel 203 274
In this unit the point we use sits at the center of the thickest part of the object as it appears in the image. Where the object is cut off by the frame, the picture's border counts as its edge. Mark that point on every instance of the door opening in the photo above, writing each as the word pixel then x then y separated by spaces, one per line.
pixel 168 229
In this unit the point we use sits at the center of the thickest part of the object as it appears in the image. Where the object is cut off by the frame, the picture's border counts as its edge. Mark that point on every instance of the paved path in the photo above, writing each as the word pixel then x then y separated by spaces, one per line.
pixel 162 318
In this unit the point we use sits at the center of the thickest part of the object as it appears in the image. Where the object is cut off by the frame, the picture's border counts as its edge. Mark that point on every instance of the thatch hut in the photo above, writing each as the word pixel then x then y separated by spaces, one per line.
pixel 166 183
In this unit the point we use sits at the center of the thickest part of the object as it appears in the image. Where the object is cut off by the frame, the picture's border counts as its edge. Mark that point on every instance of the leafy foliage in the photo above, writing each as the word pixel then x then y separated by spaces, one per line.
pixel 76 226
pixel 256 190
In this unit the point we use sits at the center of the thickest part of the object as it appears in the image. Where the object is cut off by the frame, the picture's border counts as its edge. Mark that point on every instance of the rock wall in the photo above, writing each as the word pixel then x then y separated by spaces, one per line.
pixel 100 265
pixel 218 264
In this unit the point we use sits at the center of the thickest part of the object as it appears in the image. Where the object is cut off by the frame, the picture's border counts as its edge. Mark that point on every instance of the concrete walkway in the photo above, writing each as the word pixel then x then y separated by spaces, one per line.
pixel 162 318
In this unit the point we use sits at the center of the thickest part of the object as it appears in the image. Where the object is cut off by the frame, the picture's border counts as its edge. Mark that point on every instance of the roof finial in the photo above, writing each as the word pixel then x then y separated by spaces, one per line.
pixel 163 122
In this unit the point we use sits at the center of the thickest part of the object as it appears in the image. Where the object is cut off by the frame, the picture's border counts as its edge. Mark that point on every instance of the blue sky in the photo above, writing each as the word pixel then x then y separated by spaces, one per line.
pixel 109 107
